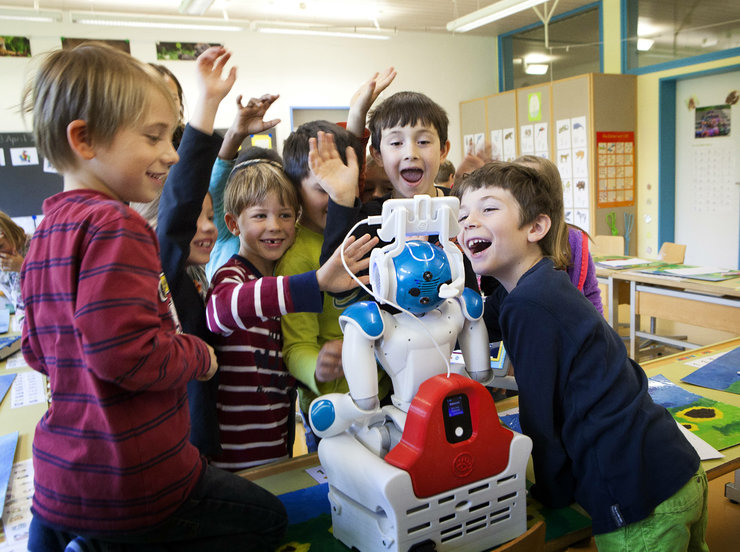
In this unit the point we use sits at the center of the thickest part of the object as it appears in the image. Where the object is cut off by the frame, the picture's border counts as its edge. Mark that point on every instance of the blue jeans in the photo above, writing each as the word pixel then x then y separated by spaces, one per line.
pixel 224 512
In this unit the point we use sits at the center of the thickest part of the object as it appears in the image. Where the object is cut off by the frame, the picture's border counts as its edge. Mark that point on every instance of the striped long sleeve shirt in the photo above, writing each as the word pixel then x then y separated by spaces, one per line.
pixel 111 454
pixel 244 309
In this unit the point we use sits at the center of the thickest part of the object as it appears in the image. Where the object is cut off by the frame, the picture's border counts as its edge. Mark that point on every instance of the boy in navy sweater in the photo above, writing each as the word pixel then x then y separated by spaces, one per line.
pixel 598 438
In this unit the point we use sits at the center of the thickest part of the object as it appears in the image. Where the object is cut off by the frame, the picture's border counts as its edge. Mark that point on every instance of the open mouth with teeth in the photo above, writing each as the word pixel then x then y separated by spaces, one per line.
pixel 204 244
pixel 159 177
pixel 476 245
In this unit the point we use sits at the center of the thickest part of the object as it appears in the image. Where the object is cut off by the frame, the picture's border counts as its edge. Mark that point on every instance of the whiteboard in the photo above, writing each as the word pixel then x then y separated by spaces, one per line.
pixel 707 175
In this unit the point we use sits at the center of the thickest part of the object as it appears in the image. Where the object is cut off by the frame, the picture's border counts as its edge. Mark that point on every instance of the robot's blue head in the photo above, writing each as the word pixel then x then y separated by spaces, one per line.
pixel 421 268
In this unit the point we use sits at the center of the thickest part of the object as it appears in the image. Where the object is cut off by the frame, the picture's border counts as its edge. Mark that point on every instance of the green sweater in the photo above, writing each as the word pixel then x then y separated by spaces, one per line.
pixel 304 333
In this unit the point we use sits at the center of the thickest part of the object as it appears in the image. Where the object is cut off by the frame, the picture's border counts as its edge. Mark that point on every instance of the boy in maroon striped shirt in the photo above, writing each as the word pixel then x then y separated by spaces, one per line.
pixel 113 464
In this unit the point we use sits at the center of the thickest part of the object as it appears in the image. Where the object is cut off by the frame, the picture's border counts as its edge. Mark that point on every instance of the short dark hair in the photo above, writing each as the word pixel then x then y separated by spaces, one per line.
pixel 535 194
pixel 256 152
pixel 295 148
pixel 407 108
pixel 446 170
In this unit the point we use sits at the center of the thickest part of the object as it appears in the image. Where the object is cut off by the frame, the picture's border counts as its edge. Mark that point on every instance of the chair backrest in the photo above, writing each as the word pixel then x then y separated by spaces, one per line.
pixel 607 245
pixel 673 253
pixel 531 541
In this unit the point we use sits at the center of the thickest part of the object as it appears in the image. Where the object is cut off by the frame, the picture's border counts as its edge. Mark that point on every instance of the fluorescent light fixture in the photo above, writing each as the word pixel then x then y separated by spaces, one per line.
pixel 314 32
pixel 125 20
pixel 494 12
pixel 535 68
pixel 195 7
pixel 35 16
pixel 644 44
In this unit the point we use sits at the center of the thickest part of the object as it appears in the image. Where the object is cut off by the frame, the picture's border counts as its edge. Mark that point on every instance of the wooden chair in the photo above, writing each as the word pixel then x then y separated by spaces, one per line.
pixel 607 245
pixel 531 541
pixel 673 253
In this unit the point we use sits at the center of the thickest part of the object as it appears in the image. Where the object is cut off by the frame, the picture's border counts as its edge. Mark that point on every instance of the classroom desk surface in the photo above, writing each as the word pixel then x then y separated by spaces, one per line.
pixel 714 305
pixel 290 475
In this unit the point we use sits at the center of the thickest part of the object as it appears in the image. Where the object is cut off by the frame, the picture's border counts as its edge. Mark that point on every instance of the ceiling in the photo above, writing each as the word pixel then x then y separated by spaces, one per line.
pixel 393 15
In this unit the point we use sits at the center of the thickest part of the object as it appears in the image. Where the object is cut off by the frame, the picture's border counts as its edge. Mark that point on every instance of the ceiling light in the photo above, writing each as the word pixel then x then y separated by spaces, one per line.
pixel 494 12
pixel 535 68
pixel 314 32
pixel 644 44
pixel 152 22
pixel 195 7
pixel 36 16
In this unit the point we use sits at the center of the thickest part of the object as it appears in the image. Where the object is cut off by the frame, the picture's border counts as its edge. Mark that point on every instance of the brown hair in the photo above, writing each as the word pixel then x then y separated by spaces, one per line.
pixel 252 181
pixel 535 194
pixel 105 87
pixel 12 232
pixel 407 108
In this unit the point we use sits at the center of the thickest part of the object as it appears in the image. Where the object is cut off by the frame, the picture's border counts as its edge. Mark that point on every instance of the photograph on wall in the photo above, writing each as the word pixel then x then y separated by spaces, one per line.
pixel 712 121
pixel 527 139
pixel 20 157
pixel 562 127
pixel 69 43
pixel 615 169
pixel 497 145
pixel 509 144
pixel 541 143
pixel 15 46
pixel 578 134
pixel 183 51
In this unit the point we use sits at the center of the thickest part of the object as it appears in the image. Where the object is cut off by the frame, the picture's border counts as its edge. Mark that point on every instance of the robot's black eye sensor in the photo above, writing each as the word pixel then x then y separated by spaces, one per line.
pixel 427 276
pixel 414 292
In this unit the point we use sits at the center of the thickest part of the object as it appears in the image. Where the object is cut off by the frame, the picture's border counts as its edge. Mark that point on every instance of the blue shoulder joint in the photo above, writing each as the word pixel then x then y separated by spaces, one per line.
pixel 364 315
pixel 472 304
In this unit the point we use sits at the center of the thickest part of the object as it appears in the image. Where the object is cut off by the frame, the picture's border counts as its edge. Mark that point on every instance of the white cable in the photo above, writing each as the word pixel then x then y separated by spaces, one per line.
pixel 383 300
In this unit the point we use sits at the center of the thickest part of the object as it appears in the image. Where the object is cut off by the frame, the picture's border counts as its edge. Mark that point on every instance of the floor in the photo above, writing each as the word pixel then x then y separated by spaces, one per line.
pixel 723 529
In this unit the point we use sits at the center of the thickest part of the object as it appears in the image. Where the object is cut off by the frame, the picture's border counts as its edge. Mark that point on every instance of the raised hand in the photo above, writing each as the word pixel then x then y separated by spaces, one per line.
pixel 363 99
pixel 336 178
pixel 249 120
pixel 213 86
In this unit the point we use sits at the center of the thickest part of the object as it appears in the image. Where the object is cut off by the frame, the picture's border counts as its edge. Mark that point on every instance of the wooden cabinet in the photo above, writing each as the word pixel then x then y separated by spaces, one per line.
pixel 586 126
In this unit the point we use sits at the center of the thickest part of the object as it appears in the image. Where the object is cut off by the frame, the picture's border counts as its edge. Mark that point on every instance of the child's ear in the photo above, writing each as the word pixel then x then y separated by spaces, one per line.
pixel 78 139
pixel 445 150
pixel 539 228
pixel 376 156
pixel 231 223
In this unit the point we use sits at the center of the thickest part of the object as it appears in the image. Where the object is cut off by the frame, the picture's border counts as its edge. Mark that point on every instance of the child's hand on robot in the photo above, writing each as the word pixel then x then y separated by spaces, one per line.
pixel 329 362
pixel 334 278
pixel 340 181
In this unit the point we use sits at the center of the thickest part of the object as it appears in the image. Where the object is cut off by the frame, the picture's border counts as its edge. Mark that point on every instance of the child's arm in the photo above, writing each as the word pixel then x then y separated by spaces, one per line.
pixel 234 299
pixel 186 185
pixel 364 97
pixel 248 120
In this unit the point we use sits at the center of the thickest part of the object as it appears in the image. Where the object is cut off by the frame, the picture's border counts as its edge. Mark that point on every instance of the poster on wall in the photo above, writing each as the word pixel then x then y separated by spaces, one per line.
pixel 497 145
pixel 15 46
pixel 615 169
pixel 509 144
pixel 69 43
pixel 526 140
pixel 541 143
pixel 712 121
pixel 183 51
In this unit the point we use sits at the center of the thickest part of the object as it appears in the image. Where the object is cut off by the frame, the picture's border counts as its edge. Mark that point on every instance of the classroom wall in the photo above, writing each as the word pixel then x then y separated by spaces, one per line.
pixel 305 71
pixel 647 150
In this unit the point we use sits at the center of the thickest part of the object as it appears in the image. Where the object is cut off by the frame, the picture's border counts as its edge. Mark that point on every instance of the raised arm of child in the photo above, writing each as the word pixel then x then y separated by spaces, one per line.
pixel 249 120
pixel 363 99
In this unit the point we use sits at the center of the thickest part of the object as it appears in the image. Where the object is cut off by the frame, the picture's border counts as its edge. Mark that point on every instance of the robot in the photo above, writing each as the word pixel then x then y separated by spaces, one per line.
pixel 435 470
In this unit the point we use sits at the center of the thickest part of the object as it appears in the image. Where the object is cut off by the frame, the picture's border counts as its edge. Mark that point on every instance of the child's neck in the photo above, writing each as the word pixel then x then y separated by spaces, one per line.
pixel 266 267
pixel 431 191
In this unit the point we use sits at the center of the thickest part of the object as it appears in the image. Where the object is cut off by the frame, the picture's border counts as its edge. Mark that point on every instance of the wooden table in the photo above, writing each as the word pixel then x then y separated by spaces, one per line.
pixel 714 305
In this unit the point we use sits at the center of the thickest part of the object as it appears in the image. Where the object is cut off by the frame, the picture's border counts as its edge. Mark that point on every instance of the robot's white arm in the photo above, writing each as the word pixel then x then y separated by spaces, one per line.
pixel 473 338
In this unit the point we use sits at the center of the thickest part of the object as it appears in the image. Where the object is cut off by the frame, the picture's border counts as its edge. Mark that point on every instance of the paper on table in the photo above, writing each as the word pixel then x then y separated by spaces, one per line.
pixel 7 453
pixel 703 449
pixel 28 388
pixel 695 270
pixel 15 361
pixel 318 474
pixel 624 262
pixel 17 512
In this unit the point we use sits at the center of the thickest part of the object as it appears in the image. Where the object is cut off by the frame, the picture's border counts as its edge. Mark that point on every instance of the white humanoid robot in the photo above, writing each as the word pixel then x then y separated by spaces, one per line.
pixel 436 470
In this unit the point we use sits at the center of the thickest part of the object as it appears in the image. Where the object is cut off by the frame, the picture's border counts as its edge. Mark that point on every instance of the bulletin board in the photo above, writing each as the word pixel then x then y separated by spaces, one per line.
pixel 615 169
pixel 26 179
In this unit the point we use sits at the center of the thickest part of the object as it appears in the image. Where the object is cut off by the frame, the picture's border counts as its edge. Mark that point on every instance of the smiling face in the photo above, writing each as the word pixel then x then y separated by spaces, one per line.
pixel 205 235
pixel 134 166
pixel 493 237
pixel 265 232
pixel 314 204
pixel 410 156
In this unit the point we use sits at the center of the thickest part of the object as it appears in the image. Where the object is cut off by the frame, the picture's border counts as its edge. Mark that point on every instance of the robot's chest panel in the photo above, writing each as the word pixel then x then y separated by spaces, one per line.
pixel 403 335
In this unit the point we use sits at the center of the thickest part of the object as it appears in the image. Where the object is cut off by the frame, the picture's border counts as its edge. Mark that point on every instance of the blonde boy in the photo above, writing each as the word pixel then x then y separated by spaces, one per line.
pixel 112 459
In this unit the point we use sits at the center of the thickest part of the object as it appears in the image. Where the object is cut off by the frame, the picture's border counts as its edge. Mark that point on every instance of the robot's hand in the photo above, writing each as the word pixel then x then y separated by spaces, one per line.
pixel 334 413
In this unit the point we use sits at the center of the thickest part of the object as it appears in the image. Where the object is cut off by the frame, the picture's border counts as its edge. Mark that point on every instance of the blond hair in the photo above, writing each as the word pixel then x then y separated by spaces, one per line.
pixel 251 182
pixel 106 88
pixel 13 233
